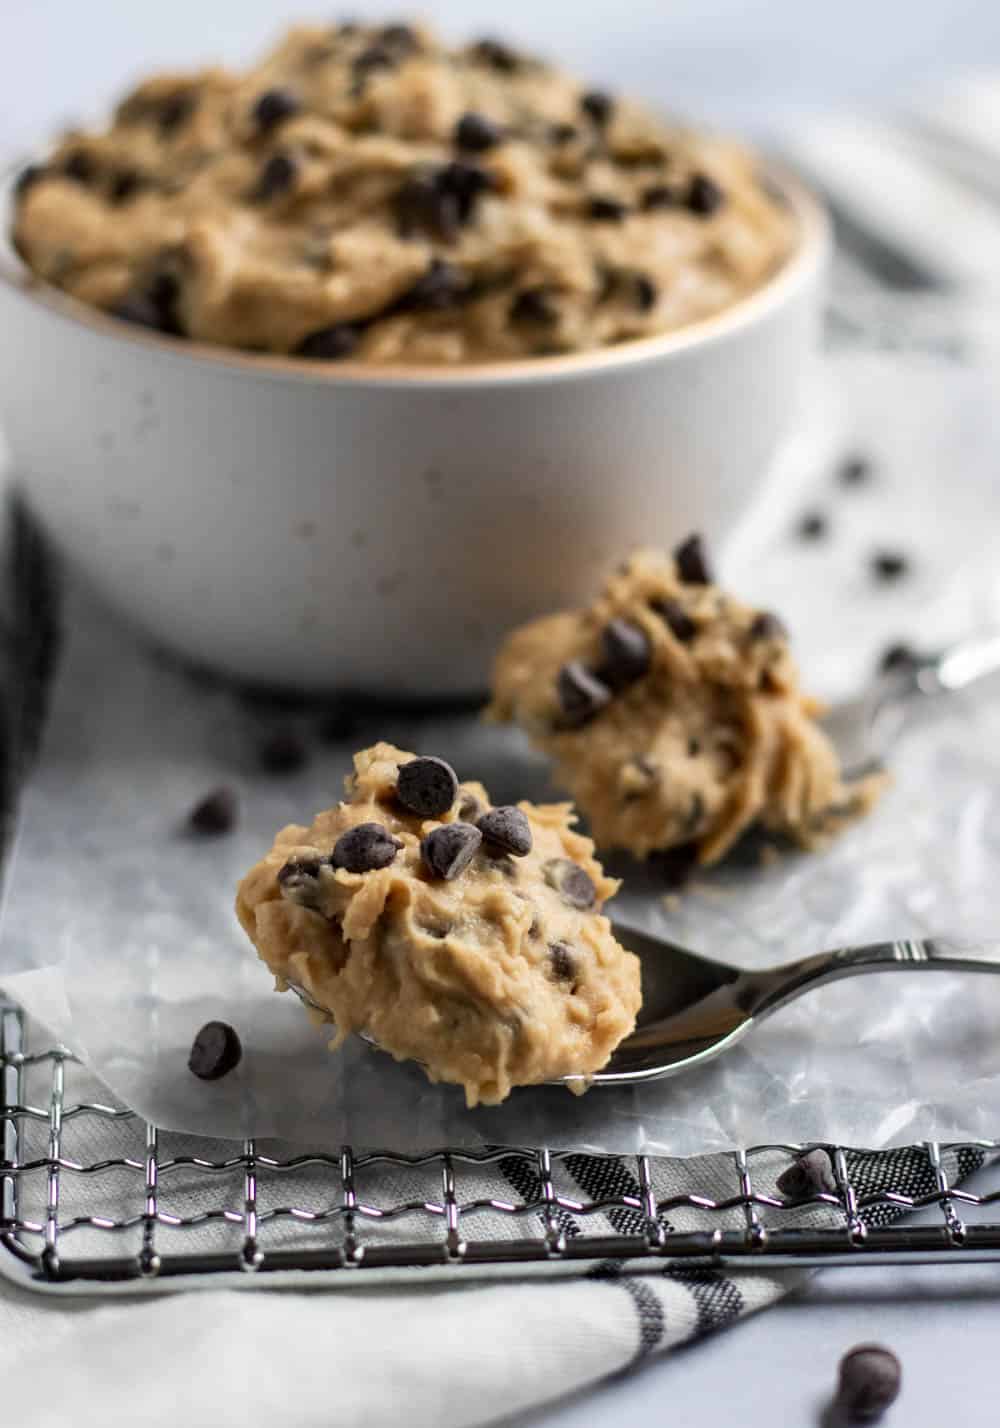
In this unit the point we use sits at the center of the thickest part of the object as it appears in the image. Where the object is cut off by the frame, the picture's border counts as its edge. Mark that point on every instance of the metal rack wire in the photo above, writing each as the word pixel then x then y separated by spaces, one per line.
pixel 78 1224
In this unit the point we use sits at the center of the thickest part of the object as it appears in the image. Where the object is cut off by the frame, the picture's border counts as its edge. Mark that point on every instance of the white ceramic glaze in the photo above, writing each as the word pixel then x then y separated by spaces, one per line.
pixel 333 527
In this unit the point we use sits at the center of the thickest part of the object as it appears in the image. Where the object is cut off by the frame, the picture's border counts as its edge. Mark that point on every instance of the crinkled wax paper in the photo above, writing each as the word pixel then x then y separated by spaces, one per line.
pixel 134 918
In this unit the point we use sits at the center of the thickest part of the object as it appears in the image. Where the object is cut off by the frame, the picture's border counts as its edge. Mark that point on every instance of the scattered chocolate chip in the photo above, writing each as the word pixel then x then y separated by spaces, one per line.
pixel 605 210
pixel 427 787
pixel 694 816
pixel 470 809
pixel 438 201
pixel 375 57
pixel 175 110
pixel 27 179
pixel 441 285
pixel 855 470
pixel 870 1379
pixel 331 344
pixel 676 865
pixel 898 657
pixel 767 626
pixel 812 526
pixel 581 694
pixel 693 748
pixel 627 654
pixel 676 619
pixel 597 106
pixel 79 167
pixel 282 752
pixel 497 55
pixel 276 177
pixel 400 38
pixel 507 829
pixel 889 565
pixel 125 184
pixel 811 1174
pixel 467 182
pixel 704 196
pixel 563 133
pixel 660 195
pixel 138 308
pixel 692 562
pixel 215 1051
pixel 215 813
pixel 475 133
pixel 570 882
pixel 365 848
pixel 273 107
pixel 450 849
pixel 562 961
pixel 645 292
pixel 534 305
pixel 299 880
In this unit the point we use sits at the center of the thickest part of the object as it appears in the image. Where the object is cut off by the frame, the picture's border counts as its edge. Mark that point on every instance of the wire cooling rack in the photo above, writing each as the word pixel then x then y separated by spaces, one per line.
pixel 81 1224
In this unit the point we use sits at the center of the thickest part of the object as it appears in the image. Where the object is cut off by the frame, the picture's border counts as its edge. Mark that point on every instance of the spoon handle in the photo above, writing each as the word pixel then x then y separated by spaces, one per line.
pixel 931 954
pixel 960 666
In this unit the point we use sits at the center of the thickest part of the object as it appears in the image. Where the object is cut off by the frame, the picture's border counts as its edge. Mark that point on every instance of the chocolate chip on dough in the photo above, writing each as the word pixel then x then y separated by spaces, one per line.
pixel 507 829
pixel 365 848
pixel 571 882
pixel 427 787
pixel 448 850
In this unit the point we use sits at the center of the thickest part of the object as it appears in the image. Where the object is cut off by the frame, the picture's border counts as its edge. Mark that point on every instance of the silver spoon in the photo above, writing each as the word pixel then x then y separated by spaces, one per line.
pixel 695 1008
pixel 864 729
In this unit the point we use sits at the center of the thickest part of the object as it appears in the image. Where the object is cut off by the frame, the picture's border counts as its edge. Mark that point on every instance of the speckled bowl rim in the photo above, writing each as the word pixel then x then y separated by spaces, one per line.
pixel 808 256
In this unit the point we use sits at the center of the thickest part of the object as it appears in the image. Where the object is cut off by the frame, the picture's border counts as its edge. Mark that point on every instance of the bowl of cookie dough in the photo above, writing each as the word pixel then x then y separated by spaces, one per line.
pixel 329 372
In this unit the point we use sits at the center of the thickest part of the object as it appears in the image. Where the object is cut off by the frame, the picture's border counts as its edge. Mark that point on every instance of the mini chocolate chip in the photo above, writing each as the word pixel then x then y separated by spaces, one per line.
pixel 375 57
pixel 497 55
pixel 215 813
pixel 645 291
pixel 692 562
pixel 401 38
pixel 467 182
pixel 676 865
pixel 508 829
pixel 450 849
pixel 215 1051
pixel 441 285
pixel 282 752
pixel 767 626
pixel 627 654
pixel 276 177
pixel 563 133
pixel 273 107
pixel 562 961
pixel 365 848
pixel 597 106
pixel 139 309
pixel 125 184
pixel 299 880
pixel 476 133
pixel 660 195
pixel 605 210
pixel 175 110
pixel 898 657
pixel 811 1174
pixel 889 565
pixel 570 882
pixel 694 816
pixel 331 344
pixel 79 167
pixel 581 694
pixel 693 748
pixel 870 1379
pixel 704 196
pixel 855 470
pixel 676 619
pixel 469 808
pixel 534 305
pixel 812 526
pixel 427 787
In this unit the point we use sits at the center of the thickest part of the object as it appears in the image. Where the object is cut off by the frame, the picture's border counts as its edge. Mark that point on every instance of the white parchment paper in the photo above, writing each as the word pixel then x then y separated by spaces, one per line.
pixel 134 919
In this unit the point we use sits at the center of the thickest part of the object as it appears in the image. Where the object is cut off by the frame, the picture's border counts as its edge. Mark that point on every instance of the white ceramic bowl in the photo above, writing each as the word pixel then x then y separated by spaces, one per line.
pixel 336 527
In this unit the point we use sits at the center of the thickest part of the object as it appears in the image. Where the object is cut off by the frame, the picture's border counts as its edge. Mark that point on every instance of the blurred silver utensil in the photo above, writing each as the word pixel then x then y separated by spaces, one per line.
pixel 863 730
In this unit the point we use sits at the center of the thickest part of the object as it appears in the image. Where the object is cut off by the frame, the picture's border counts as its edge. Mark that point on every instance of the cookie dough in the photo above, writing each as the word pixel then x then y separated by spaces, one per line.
pixel 465 937
pixel 674 715
pixel 367 192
